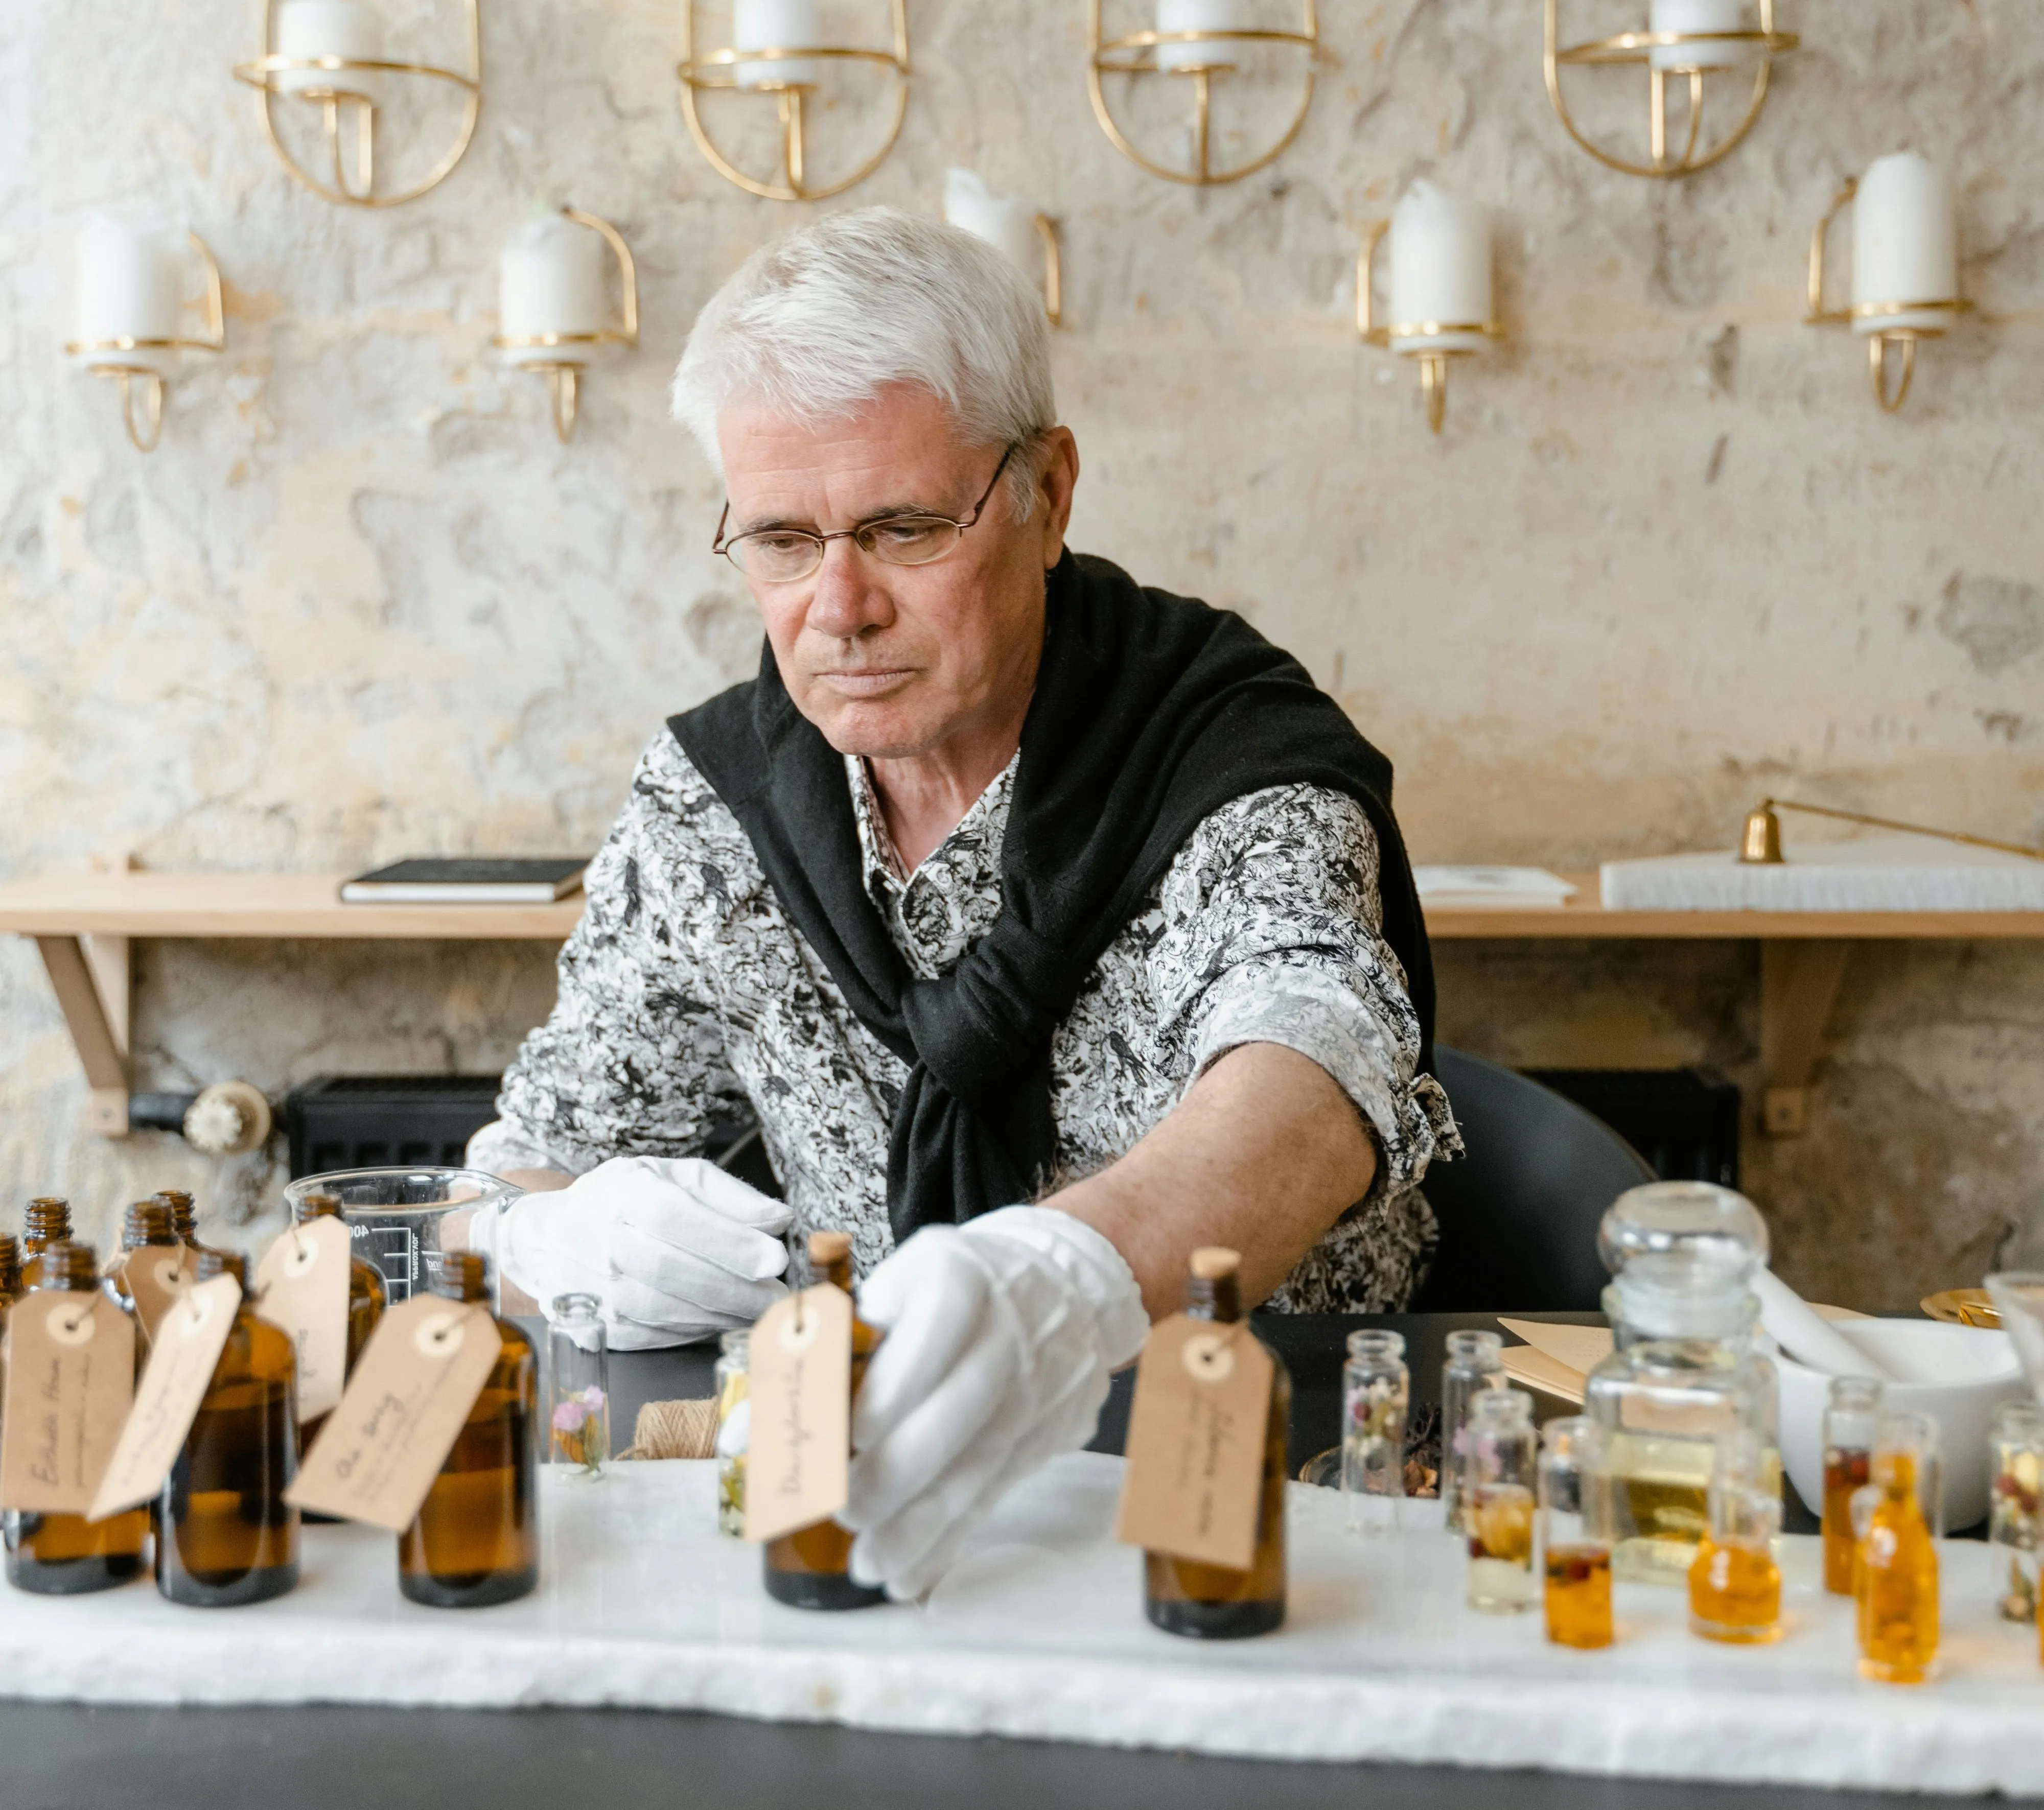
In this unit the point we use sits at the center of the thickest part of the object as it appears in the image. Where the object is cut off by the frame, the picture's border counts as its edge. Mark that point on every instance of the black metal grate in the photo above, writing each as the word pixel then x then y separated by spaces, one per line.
pixel 1683 1123
pixel 367 1121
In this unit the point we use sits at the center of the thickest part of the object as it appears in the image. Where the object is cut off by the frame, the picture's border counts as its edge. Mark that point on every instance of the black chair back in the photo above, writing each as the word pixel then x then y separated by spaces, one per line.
pixel 1518 1212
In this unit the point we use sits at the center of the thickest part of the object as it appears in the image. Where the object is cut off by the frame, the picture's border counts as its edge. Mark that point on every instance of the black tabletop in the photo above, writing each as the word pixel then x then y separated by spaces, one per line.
pixel 64 1757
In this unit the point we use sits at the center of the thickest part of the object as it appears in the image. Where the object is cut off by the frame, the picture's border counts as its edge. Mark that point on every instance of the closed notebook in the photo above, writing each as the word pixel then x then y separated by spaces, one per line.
pixel 469 880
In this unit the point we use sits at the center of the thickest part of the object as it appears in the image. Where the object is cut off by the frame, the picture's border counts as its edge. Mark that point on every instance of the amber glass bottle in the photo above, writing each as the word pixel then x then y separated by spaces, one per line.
pixel 47 1219
pixel 183 1214
pixel 10 1272
pixel 226 1536
pixel 810 1568
pixel 60 1555
pixel 476 1540
pixel 1211 1602
pixel 147 1223
pixel 365 1304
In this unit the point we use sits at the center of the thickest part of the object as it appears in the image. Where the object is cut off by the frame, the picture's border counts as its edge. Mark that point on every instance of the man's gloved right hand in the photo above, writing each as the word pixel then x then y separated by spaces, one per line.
pixel 674 1248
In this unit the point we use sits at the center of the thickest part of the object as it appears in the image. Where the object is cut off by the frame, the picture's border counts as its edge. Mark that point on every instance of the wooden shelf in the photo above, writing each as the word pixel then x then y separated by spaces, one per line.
pixel 82 925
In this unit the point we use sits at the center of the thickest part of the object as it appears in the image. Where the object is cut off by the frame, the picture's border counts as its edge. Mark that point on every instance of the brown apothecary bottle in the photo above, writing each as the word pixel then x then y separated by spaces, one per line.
pixel 10 1271
pixel 1212 1602
pixel 476 1540
pixel 65 1554
pixel 366 1302
pixel 811 1568
pixel 226 1537
pixel 47 1220
pixel 184 1216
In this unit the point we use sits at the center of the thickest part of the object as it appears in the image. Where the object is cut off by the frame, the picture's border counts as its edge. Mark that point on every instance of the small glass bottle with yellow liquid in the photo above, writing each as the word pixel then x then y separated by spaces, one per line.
pixel 66 1555
pixel 1734 1580
pixel 1575 1541
pixel 1899 1514
pixel 1498 1511
pixel 811 1568
pixel 1850 1416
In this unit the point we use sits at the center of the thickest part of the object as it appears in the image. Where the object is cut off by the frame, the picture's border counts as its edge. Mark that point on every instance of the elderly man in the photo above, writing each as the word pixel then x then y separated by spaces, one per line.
pixel 1048 926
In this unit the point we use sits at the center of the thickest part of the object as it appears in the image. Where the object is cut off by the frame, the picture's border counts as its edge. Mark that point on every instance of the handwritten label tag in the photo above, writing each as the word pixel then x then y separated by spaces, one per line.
pixel 1196 1438
pixel 190 1339
pixel 70 1376
pixel 155 1275
pixel 381 1449
pixel 302 1286
pixel 798 1463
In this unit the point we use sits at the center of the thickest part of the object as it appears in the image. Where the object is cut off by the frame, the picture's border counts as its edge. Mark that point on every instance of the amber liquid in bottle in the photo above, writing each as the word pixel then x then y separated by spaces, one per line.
pixel 476 1540
pixel 1578 1596
pixel 227 1534
pixel 1845 1471
pixel 811 1568
pixel 1735 1593
pixel 1898 1581
pixel 1211 1602
pixel 61 1554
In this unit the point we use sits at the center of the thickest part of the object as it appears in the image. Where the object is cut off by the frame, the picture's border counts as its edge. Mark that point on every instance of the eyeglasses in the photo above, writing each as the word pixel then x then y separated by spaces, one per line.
pixel 781 556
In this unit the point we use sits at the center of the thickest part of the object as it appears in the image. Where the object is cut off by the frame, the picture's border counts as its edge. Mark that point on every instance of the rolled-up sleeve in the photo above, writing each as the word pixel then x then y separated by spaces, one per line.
pixel 631 1061
pixel 1274 918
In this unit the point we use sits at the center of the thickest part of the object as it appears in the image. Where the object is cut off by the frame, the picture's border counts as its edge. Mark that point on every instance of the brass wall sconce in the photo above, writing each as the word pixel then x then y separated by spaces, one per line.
pixel 779 51
pixel 329 53
pixel 1906 244
pixel 1194 39
pixel 131 316
pixel 1028 236
pixel 1692 39
pixel 554 303
pixel 1440 288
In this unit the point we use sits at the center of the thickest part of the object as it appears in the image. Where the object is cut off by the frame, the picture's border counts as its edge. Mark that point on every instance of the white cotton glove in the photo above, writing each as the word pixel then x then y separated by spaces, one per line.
pixel 1001 1334
pixel 674 1249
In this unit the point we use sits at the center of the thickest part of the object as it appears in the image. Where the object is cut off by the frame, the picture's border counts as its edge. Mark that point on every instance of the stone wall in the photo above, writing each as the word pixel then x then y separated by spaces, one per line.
pixel 1667 554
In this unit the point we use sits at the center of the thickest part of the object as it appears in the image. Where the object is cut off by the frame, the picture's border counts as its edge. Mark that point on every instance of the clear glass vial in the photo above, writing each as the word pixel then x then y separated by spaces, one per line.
pixel 226 1536
pixel 1498 1504
pixel 1898 1563
pixel 1681 1378
pixel 1735 1582
pixel 476 1540
pixel 734 1429
pixel 578 1385
pixel 1377 1392
pixel 1575 1534
pixel 1850 1413
pixel 2015 1445
pixel 1475 1364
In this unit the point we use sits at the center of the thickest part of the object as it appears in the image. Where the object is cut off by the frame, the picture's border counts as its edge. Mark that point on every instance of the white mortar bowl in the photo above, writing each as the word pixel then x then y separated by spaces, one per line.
pixel 1958 1376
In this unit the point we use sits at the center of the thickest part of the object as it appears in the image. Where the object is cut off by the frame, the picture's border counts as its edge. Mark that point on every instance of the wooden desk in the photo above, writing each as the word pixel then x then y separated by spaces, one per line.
pixel 82 925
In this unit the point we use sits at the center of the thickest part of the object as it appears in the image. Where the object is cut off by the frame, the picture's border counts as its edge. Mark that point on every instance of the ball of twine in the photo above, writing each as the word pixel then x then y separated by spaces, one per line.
pixel 674 1429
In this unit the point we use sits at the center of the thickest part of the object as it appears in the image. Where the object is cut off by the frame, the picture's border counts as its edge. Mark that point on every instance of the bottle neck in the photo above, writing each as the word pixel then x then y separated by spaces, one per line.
pixel 464 1276
pixel 67 1266
pixel 47 1220
pixel 1218 1297
pixel 316 1206
pixel 837 1272
pixel 149 1222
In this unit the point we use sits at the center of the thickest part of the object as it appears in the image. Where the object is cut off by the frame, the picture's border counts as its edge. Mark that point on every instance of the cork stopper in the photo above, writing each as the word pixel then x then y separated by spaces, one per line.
pixel 1213 1263
pixel 829 1247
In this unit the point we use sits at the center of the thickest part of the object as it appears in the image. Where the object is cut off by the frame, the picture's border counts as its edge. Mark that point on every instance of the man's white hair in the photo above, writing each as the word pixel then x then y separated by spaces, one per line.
pixel 814 326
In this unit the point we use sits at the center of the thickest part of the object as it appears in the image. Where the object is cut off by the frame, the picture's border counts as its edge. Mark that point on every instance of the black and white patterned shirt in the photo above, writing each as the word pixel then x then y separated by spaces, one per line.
pixel 687 999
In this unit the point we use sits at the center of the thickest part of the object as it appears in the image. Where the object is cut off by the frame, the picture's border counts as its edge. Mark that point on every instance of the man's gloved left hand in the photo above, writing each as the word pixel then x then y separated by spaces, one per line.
pixel 1000 1335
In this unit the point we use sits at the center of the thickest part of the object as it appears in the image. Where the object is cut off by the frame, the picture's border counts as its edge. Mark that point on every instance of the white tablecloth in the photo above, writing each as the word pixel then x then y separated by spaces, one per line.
pixel 1039 1632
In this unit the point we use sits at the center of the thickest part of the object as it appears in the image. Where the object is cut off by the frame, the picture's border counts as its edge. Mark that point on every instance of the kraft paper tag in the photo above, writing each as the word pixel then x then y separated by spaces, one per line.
pixel 1196 1439
pixel 403 1408
pixel 798 1463
pixel 70 1376
pixel 190 1339
pixel 155 1275
pixel 302 1287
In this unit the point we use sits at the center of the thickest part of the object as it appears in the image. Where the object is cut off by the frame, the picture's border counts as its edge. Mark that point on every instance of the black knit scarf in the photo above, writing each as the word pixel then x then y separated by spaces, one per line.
pixel 1151 712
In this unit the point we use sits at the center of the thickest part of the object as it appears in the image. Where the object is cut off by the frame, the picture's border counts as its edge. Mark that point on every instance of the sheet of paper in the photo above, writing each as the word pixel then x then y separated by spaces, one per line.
pixel 1537 1371
pixel 1582 1348
pixel 798 1468
pixel 1196 1438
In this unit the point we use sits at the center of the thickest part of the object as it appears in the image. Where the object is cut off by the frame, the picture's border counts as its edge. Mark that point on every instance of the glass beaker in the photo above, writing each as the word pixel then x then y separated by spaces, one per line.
pixel 578 1385
pixel 405 1220
pixel 1376 1391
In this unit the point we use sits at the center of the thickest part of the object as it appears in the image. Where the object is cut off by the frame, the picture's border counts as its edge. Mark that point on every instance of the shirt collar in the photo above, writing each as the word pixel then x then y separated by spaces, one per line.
pixel 986 823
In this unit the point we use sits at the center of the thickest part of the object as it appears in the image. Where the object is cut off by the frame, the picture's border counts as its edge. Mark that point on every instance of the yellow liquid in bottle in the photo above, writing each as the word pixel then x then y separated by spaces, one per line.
pixel 1898 1581
pixel 1663 1501
pixel 1579 1596
pixel 1735 1594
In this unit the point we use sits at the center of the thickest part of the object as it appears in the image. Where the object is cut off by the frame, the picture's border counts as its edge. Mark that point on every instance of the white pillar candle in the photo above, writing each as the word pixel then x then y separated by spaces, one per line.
pixel 1201 16
pixel 1010 225
pixel 1440 269
pixel 779 25
pixel 1905 242
pixel 1698 16
pixel 554 278
pixel 345 29
pixel 130 286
